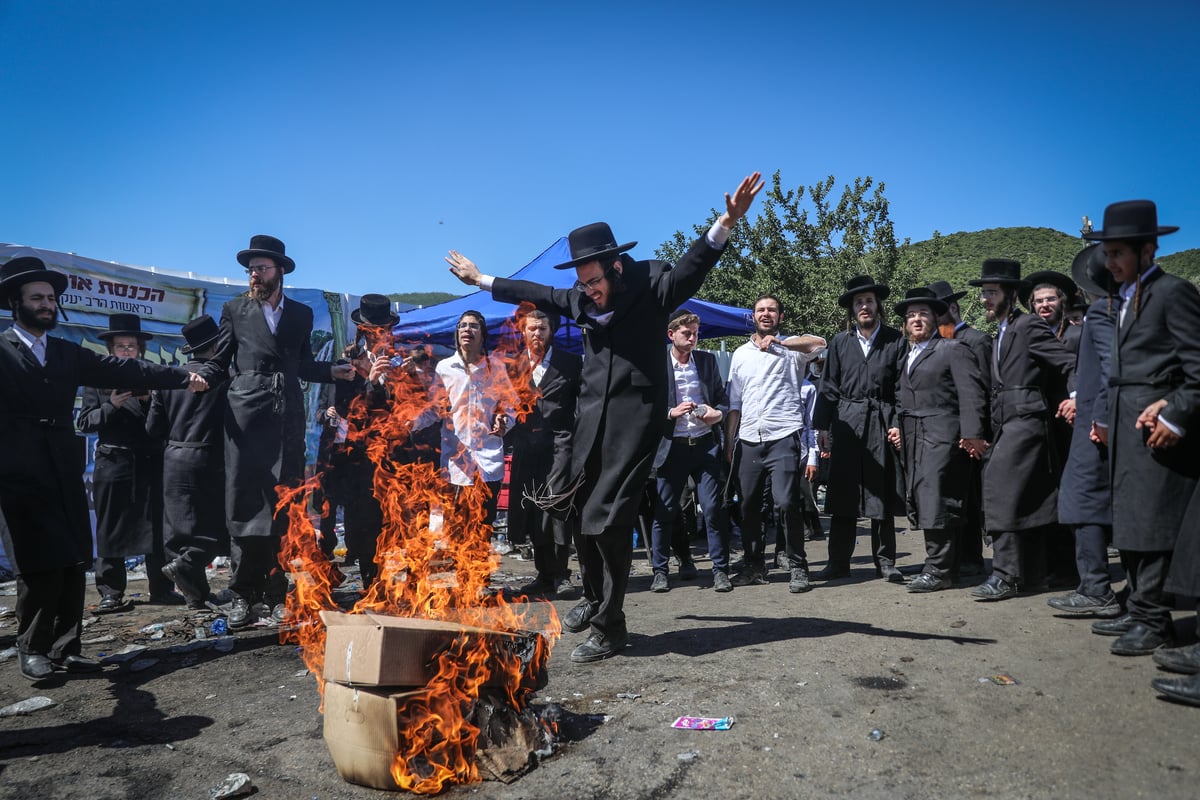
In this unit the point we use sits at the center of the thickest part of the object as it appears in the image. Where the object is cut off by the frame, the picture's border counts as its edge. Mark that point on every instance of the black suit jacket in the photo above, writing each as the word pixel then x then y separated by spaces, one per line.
pixel 712 389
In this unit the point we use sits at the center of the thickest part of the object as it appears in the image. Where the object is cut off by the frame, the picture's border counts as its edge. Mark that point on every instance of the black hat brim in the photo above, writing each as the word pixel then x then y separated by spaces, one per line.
pixel 598 256
pixel 1105 236
pixel 1018 282
pixel 1056 279
pixel 881 293
pixel 106 335
pixel 1089 263
pixel 357 319
pixel 938 306
pixel 953 298
pixel 192 348
pixel 244 257
pixel 57 281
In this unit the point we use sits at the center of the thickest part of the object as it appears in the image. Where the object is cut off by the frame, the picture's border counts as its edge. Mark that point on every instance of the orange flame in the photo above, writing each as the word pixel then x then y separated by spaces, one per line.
pixel 441 572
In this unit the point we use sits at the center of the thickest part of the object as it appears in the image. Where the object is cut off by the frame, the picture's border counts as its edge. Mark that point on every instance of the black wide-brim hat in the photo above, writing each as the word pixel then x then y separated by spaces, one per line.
pixel 921 295
pixel 945 292
pixel 19 271
pixel 1004 271
pixel 374 310
pixel 124 325
pixel 1056 279
pixel 269 246
pixel 1090 271
pixel 200 333
pixel 1130 219
pixel 593 242
pixel 860 284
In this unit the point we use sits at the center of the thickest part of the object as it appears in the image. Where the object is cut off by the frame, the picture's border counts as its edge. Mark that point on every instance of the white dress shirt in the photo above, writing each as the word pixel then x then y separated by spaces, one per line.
pixel 765 388
pixel 272 315
pixel 687 388
pixel 475 393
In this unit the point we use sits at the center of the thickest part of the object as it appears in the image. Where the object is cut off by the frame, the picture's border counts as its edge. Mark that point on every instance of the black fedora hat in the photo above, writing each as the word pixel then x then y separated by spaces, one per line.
pixel 374 310
pixel 945 292
pixel 269 246
pixel 1056 279
pixel 859 284
pixel 124 325
pixel 1130 219
pixel 593 242
pixel 27 269
pixel 920 294
pixel 1004 271
pixel 1091 273
pixel 200 333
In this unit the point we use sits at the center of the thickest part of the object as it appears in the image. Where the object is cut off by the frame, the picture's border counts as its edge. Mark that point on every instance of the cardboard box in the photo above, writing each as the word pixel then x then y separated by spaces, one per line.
pixel 361 733
pixel 378 650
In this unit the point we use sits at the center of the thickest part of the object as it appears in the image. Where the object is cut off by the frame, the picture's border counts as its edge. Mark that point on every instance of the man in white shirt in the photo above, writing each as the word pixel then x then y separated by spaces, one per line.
pixel 767 422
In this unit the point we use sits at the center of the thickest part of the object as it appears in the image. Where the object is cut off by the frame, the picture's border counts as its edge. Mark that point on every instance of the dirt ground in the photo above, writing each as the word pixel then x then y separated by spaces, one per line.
pixel 807 677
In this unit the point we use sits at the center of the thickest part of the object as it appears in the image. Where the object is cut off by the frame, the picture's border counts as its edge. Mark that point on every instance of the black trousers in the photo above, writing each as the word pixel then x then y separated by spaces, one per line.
pixel 112 578
pixel 256 574
pixel 1148 602
pixel 1019 557
pixel 939 551
pixel 50 612
pixel 1091 559
pixel 844 530
pixel 700 461
pixel 969 545
pixel 779 461
pixel 604 562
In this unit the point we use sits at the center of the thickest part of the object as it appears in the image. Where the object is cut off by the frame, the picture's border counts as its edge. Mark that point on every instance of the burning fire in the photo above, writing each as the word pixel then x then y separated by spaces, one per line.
pixel 439 572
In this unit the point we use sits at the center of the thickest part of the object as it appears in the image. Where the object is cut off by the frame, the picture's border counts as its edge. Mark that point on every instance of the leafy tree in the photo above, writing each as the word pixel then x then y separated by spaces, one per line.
pixel 804 253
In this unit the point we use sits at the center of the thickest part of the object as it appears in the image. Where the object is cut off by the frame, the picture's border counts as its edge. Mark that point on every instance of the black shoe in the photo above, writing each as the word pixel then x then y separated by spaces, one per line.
pixel 1141 640
pixel 687 570
pixel 1113 627
pixel 799 581
pixel 993 589
pixel 113 604
pixel 36 666
pixel 192 591
pixel 750 576
pixel 1082 604
pixel 578 618
pixel 77 664
pixel 599 646
pixel 537 588
pixel 832 573
pixel 239 613
pixel 890 574
pixel 280 614
pixel 1180 659
pixel 563 587
pixel 721 582
pixel 659 584
pixel 1185 690
pixel 927 582
pixel 168 599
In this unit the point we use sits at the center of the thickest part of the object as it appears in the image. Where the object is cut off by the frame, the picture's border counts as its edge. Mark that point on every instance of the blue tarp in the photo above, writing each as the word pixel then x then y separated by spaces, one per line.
pixel 435 324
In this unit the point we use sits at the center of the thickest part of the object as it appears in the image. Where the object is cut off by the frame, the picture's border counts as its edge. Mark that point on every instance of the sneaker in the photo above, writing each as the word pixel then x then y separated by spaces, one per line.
pixel 659 584
pixel 799 582
pixel 750 576
pixel 1086 605
pixel 721 582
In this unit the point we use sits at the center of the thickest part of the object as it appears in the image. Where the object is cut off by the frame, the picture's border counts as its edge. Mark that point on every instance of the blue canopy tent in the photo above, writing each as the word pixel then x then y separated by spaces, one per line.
pixel 435 324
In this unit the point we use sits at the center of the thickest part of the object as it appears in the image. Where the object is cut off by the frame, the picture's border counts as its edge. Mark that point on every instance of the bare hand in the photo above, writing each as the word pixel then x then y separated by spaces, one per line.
pixel 764 343
pixel 810 472
pixel 1099 434
pixel 118 398
pixel 463 268
pixel 1066 410
pixel 499 425
pixel 893 436
pixel 379 369
pixel 686 407
pixel 974 447
pixel 342 372
pixel 1161 437
pixel 823 442
pixel 331 413
pixel 711 416
pixel 196 383
pixel 737 206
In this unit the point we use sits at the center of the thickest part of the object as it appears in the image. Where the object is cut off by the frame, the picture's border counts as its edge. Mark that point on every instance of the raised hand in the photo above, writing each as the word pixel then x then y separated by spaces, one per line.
pixel 737 205
pixel 463 268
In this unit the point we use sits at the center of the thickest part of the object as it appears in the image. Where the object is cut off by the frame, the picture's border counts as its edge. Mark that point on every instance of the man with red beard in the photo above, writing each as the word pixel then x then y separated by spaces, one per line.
pixel 265 339
pixel 42 500
pixel 1020 475
pixel 856 405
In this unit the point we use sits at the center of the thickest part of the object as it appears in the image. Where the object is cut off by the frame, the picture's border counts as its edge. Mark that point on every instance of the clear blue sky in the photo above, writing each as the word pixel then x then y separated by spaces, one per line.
pixel 372 137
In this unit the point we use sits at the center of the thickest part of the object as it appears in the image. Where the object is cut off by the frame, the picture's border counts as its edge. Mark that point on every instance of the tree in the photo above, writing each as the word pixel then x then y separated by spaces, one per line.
pixel 805 255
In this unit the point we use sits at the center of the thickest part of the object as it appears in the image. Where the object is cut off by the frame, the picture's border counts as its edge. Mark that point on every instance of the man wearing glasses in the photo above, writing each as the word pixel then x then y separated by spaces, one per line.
pixel 622 306
pixel 265 339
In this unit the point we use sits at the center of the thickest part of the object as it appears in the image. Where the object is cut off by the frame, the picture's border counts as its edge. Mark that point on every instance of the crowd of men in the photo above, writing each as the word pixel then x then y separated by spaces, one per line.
pixel 1062 436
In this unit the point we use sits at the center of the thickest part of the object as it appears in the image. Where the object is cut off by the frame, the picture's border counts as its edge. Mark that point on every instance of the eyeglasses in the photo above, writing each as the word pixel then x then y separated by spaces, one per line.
pixel 259 268
pixel 594 283
pixel 470 326
pixel 128 348
pixel 990 292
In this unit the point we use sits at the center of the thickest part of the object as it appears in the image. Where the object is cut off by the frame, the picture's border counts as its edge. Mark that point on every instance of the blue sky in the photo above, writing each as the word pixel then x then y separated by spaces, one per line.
pixel 373 137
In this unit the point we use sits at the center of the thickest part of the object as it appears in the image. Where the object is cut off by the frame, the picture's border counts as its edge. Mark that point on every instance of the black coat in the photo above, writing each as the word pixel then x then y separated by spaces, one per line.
pixel 856 403
pixel 712 390
pixel 622 397
pixel 265 417
pixel 541 443
pixel 42 495
pixel 1155 356
pixel 1021 470
pixel 940 400
pixel 127 474
pixel 1083 496
pixel 980 345
pixel 192 427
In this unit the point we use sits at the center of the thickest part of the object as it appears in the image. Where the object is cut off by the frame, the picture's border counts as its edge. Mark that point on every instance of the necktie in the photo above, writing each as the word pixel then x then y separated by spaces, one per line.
pixel 39 350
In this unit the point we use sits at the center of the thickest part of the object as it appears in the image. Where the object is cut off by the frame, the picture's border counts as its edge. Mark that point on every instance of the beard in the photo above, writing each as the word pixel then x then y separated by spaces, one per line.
pixel 29 319
pixel 263 290
pixel 999 312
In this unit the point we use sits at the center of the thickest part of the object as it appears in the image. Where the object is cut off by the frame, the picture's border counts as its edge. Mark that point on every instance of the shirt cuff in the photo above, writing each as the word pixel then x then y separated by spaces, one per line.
pixel 485 282
pixel 814 456
pixel 1175 429
pixel 717 236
